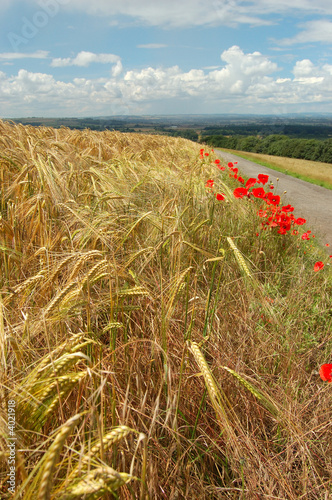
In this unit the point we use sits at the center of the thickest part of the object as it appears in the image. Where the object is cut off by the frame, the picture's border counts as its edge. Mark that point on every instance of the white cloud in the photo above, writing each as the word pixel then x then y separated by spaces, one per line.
pixel 245 82
pixel 284 6
pixel 312 31
pixel 9 56
pixel 306 73
pixel 174 13
pixel 84 59
pixel 303 68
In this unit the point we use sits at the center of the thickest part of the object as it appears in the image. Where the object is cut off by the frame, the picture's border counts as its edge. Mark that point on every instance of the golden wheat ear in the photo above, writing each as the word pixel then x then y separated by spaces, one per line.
pixel 96 484
pixel 239 257
pixel 110 439
pixel 52 456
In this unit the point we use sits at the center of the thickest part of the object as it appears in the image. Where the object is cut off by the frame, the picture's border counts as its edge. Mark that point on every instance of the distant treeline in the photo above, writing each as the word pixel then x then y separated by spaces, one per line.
pixel 292 130
pixel 277 145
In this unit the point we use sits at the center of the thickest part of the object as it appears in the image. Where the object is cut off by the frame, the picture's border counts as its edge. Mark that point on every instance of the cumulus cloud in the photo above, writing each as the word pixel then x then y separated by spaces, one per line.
pixel 84 59
pixel 245 82
pixel 303 68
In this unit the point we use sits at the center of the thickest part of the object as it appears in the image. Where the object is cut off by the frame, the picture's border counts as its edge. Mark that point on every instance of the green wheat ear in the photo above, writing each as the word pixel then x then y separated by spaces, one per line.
pixel 269 405
pixel 218 398
pixel 239 257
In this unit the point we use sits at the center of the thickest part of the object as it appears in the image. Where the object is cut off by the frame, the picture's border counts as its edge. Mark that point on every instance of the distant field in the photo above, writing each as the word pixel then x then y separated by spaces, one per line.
pixel 310 171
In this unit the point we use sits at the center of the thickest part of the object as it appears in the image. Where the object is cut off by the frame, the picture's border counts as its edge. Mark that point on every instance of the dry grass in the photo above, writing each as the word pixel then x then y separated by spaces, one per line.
pixel 155 347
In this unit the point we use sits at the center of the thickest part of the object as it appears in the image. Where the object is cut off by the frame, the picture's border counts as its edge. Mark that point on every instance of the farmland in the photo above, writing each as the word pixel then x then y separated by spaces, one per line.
pixel 159 338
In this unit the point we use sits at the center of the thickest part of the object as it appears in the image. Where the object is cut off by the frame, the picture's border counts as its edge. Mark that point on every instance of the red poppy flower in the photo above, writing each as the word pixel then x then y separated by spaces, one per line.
pixel 284 226
pixel 325 372
pixel 272 222
pixel 250 182
pixel 305 236
pixel 287 208
pixel 262 213
pixel 230 164
pixel 206 154
pixel 300 221
pixel 240 192
pixel 209 183
pixel 240 179
pixel 327 244
pixel 220 197
pixel 258 193
pixel 262 179
pixel 272 199
pixel 318 266
pixel 221 168
pixel 217 162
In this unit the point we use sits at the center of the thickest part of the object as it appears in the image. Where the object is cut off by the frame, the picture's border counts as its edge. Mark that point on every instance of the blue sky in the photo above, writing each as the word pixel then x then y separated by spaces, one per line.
pixel 110 57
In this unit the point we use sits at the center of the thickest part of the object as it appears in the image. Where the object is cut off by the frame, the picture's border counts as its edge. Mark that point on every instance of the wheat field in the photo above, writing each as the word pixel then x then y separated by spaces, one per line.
pixel 153 346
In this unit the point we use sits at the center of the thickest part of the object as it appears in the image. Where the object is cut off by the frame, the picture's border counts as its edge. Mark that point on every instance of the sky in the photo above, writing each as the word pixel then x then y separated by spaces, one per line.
pixel 80 58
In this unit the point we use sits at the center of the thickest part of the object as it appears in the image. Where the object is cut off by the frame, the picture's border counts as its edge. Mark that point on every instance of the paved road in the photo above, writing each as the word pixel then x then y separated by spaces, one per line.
pixel 313 203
